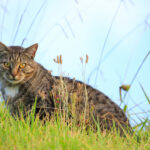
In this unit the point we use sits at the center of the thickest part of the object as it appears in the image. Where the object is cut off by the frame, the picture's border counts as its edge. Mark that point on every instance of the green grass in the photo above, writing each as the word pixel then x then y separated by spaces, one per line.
pixel 21 134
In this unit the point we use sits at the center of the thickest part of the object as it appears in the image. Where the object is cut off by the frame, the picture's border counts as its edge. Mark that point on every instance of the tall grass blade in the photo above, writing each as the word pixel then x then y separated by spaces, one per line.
pixel 33 112
pixel 35 17
pixel 144 93
pixel 138 70
pixel 21 18
pixel 105 42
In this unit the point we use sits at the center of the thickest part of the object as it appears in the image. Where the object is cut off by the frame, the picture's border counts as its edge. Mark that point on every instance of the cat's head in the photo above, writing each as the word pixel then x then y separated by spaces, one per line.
pixel 17 63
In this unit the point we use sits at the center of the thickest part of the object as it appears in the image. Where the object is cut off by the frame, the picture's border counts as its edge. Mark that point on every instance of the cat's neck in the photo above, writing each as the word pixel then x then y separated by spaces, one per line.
pixel 8 90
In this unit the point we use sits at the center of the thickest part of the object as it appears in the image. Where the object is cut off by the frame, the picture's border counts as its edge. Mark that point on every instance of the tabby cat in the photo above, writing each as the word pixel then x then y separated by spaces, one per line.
pixel 24 81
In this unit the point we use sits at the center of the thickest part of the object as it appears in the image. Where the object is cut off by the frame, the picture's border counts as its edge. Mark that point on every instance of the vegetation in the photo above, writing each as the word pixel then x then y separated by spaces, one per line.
pixel 33 134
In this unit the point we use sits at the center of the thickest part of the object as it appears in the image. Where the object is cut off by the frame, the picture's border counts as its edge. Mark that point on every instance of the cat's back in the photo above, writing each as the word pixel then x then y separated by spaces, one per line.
pixel 100 106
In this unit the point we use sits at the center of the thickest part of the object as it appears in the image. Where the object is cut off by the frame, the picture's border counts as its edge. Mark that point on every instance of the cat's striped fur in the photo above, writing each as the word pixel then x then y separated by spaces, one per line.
pixel 22 80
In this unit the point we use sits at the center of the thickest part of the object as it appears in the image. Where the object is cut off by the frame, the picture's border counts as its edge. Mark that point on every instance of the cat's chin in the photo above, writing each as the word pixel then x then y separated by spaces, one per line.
pixel 11 81
pixel 14 81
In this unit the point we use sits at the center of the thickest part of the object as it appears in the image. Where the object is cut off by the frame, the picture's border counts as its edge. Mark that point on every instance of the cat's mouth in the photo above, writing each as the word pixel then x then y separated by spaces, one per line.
pixel 13 80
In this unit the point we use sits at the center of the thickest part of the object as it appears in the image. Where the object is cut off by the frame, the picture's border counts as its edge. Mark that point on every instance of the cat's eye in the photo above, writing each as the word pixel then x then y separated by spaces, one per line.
pixel 6 64
pixel 22 65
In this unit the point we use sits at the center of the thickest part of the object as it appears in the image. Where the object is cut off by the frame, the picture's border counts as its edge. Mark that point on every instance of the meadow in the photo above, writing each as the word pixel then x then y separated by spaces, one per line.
pixel 20 134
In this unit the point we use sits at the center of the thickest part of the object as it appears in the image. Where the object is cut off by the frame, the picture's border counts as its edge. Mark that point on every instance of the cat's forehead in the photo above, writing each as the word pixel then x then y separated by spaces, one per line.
pixel 16 49
pixel 15 54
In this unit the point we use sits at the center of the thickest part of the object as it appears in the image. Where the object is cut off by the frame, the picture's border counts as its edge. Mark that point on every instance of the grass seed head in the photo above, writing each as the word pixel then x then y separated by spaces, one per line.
pixel 87 59
pixel 60 59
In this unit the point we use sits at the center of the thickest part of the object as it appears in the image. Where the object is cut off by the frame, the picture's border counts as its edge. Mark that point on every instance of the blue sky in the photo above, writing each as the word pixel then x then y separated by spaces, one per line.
pixel 75 28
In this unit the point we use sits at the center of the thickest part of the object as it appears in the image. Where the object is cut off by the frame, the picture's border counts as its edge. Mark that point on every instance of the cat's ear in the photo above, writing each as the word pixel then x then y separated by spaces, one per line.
pixel 3 47
pixel 30 51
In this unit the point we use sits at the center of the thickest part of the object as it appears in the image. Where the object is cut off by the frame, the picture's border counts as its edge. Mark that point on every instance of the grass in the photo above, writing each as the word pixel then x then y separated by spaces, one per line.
pixel 25 134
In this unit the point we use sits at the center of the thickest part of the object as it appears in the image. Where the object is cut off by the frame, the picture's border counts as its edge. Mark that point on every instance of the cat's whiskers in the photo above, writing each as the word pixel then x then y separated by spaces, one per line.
pixel 13 81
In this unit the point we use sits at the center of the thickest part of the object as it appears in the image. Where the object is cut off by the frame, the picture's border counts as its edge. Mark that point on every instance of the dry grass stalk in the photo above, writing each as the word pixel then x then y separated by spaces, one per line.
pixel 87 59
pixel 58 59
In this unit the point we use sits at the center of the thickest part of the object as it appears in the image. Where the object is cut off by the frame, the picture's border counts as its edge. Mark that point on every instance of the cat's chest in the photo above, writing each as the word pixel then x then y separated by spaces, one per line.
pixel 10 92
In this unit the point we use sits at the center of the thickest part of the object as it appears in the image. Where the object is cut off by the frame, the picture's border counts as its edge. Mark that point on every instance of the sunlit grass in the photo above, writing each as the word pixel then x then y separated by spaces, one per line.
pixel 25 134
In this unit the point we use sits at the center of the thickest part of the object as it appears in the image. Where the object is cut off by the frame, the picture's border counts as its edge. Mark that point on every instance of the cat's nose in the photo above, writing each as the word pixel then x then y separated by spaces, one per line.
pixel 14 73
